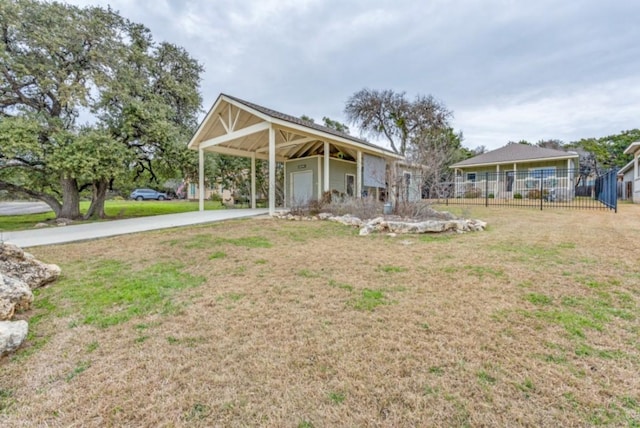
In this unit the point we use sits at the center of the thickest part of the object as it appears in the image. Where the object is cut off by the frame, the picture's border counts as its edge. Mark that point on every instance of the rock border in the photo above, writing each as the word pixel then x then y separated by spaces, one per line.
pixel 394 225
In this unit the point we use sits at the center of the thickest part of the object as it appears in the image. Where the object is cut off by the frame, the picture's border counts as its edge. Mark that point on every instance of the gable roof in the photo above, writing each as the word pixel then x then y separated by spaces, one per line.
pixel 277 118
pixel 514 153
pixel 633 148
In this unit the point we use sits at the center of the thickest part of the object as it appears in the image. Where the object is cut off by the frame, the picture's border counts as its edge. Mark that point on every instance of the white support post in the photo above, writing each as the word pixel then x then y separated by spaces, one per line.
pixel 497 182
pixel 319 178
pixel 253 181
pixel 569 173
pixel 359 174
pixel 272 170
pixel 326 167
pixel 635 184
pixel 201 179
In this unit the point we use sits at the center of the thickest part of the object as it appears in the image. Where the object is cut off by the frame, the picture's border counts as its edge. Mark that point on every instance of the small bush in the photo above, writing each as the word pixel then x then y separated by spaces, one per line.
pixel 535 194
pixel 215 197
pixel 473 193
pixel 517 196
pixel 491 196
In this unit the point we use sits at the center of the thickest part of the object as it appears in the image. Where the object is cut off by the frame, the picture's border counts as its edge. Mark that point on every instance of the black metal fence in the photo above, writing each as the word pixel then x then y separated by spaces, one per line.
pixel 541 188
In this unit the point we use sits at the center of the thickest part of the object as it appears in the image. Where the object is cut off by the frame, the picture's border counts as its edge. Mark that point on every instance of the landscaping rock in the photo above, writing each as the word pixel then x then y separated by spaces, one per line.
pixel 63 221
pixel 7 309
pixel 12 334
pixel 40 225
pixel 14 295
pixel 16 263
pixel 439 221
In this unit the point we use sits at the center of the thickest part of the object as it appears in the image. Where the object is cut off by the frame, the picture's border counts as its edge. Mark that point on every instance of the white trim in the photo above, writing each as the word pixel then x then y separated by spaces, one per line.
pixel 346 182
pixel 230 136
pixel 559 158
pixel 253 181
pixel 359 174
pixel 327 172
pixel 272 171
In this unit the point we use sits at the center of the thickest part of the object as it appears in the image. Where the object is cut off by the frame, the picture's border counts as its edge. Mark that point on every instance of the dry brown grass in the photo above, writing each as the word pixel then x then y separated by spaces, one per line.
pixel 531 323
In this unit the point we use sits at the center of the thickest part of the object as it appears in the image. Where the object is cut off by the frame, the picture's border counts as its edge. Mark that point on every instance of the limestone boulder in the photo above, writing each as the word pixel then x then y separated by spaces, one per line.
pixel 14 295
pixel 16 263
pixel 12 334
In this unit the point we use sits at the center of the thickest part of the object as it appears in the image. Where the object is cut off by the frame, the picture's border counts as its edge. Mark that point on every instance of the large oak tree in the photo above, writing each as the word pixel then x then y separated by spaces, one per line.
pixel 87 97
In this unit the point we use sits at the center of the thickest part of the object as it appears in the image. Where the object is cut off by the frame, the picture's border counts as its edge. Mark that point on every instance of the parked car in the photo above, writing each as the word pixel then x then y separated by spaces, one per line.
pixel 142 194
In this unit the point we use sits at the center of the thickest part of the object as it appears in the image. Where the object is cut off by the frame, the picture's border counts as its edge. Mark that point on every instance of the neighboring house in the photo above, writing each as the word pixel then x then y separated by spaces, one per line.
pixel 520 171
pixel 634 149
pixel 316 159
pixel 625 182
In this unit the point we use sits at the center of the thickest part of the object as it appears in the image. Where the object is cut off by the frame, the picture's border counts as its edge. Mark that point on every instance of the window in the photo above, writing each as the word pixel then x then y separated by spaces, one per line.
pixel 471 176
pixel 350 184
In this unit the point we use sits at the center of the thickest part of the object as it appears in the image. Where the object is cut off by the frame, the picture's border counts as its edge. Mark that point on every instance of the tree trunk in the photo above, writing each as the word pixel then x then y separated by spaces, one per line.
pixel 47 199
pixel 70 199
pixel 96 209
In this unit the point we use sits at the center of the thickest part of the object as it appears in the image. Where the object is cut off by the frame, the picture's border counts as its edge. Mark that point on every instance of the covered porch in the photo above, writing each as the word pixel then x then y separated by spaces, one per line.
pixel 634 149
pixel 332 160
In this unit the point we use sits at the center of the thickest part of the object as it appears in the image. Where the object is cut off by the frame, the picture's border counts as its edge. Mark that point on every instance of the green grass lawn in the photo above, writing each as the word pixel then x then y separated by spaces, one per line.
pixel 113 209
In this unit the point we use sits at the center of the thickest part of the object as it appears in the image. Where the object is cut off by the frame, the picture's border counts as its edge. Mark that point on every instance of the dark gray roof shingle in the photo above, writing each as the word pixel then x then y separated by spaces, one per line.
pixel 515 152
pixel 296 120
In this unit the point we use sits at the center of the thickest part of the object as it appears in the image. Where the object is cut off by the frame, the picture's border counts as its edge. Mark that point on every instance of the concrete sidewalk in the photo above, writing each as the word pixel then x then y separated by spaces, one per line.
pixel 81 232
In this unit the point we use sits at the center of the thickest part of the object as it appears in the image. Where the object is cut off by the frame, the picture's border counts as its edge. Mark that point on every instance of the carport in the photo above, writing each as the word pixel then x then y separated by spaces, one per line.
pixel 240 128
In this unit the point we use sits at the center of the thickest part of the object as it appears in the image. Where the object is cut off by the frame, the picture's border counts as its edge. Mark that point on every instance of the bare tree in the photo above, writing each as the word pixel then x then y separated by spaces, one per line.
pixel 390 115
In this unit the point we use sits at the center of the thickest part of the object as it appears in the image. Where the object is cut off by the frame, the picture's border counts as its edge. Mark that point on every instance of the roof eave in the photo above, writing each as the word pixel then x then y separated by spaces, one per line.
pixel 573 156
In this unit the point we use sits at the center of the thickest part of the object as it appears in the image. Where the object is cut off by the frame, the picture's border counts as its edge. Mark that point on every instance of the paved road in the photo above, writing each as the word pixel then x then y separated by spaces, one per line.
pixel 19 208
pixel 81 232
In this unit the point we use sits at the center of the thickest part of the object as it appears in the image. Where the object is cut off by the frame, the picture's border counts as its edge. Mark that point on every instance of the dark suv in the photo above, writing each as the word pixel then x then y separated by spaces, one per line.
pixel 141 194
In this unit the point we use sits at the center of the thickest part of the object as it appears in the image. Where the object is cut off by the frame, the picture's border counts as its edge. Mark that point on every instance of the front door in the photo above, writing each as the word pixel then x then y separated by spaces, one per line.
pixel 302 183
pixel 510 176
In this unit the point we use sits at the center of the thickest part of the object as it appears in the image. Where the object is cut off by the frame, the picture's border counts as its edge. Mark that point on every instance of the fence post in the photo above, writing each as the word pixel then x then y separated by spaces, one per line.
pixel 486 189
pixel 541 188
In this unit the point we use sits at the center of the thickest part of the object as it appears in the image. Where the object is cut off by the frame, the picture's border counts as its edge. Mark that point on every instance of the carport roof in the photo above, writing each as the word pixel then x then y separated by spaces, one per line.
pixel 238 127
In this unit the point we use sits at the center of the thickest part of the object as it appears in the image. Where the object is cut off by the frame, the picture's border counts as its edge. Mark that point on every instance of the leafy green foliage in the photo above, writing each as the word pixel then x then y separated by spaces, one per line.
pixel 61 62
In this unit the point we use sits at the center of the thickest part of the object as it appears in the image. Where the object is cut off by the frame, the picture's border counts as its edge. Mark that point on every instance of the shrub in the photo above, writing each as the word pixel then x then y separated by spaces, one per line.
pixel 216 197
pixel 490 196
pixel 535 194
pixel 517 196
pixel 473 193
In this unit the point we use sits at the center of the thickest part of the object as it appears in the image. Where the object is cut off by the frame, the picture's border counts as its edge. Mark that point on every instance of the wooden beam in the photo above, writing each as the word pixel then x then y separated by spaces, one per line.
pixel 289 144
pixel 272 171
pixel 201 180
pixel 253 181
pixel 235 121
pixel 242 153
pixel 359 174
pixel 229 136
pixel 224 125
pixel 326 166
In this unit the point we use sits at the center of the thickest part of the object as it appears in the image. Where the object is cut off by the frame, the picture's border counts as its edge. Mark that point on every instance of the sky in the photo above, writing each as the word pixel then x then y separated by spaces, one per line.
pixel 509 70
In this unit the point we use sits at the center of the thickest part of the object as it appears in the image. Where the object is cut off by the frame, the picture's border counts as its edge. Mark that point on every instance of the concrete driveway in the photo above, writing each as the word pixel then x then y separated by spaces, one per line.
pixel 62 234
pixel 20 207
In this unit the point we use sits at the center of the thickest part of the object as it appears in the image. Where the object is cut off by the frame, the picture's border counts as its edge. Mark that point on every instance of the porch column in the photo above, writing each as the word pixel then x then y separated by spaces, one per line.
pixel 272 170
pixel 635 187
pixel 569 173
pixel 497 184
pixel 359 174
pixel 326 167
pixel 253 180
pixel 201 179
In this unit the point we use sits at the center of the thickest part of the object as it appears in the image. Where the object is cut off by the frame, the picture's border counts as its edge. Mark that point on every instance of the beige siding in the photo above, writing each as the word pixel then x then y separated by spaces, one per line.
pixel 338 170
pixel 301 165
